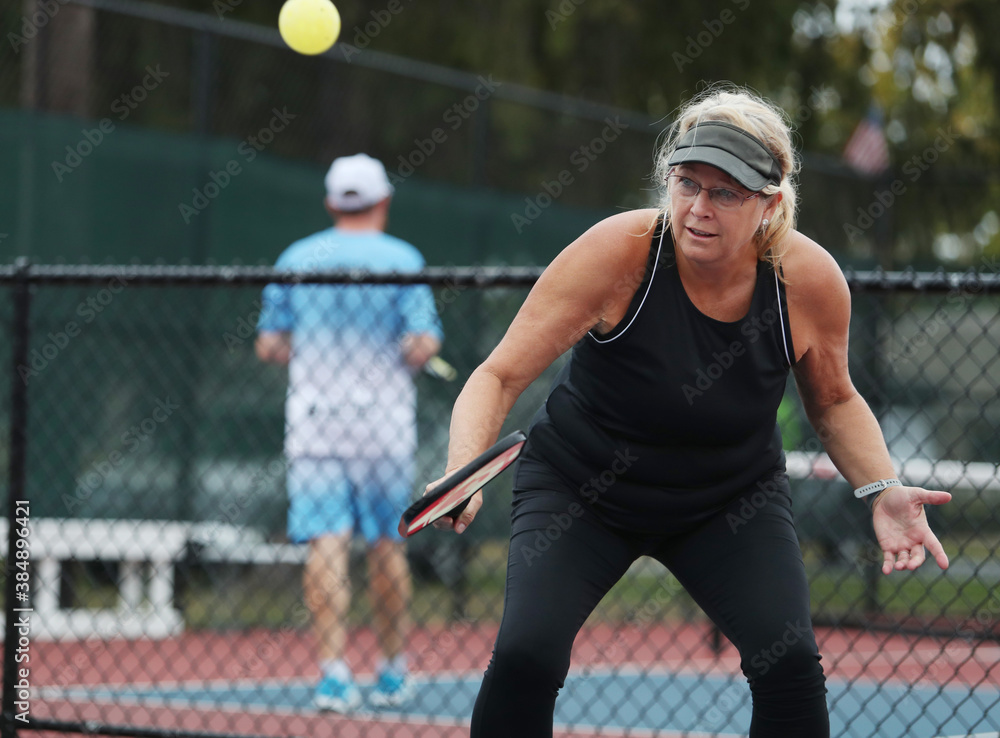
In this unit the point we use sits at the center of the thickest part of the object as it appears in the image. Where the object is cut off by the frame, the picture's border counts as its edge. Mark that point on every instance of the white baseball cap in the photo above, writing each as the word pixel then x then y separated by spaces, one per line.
pixel 356 183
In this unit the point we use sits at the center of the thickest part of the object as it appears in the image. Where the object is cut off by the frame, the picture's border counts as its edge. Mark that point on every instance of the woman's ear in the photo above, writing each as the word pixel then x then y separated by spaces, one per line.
pixel 772 205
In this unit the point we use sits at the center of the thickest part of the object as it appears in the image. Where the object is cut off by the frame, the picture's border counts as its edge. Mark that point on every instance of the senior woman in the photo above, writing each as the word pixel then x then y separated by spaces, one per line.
pixel 659 437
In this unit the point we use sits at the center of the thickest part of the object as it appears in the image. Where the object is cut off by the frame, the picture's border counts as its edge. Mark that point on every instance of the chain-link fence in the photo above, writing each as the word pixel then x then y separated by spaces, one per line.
pixel 144 447
pixel 151 587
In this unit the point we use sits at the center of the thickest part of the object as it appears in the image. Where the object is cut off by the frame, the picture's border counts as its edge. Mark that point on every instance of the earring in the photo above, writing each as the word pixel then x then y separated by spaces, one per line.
pixel 763 224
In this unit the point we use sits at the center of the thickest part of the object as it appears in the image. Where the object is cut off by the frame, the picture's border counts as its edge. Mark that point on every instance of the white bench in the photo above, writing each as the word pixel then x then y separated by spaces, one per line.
pixel 146 552
pixel 946 474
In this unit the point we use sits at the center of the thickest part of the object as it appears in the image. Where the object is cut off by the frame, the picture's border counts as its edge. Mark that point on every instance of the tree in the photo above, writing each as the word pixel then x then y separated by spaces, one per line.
pixel 58 44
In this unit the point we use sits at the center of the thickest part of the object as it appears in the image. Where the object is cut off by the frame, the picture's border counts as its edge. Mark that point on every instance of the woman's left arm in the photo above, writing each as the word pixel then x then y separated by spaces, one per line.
pixel 820 312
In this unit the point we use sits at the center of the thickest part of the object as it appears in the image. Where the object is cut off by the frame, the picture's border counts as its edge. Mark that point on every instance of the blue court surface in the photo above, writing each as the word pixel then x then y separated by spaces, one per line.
pixel 636 702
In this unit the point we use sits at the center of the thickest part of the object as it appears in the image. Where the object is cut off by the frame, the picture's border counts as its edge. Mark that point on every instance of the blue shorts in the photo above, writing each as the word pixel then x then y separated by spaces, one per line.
pixel 335 496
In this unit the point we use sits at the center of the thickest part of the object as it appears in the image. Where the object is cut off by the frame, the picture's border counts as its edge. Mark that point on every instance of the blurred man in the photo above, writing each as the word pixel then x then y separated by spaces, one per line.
pixel 351 419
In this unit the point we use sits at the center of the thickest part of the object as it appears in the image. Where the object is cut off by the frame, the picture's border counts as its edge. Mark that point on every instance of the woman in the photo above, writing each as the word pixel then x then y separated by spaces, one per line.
pixel 659 437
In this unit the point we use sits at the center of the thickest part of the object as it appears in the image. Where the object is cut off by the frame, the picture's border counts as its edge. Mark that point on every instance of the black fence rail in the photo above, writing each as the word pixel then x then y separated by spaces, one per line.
pixel 151 589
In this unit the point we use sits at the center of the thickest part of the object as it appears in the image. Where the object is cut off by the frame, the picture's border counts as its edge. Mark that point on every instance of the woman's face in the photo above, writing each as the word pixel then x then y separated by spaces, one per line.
pixel 712 227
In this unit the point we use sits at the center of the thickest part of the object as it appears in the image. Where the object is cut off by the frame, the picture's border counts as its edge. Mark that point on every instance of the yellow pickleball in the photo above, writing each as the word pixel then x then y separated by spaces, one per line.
pixel 309 26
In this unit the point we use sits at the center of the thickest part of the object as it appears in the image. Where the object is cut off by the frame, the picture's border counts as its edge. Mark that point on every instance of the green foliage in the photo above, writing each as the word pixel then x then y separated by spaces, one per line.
pixel 930 65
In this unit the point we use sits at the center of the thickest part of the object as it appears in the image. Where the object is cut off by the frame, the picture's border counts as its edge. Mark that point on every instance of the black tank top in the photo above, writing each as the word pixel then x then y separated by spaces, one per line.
pixel 668 417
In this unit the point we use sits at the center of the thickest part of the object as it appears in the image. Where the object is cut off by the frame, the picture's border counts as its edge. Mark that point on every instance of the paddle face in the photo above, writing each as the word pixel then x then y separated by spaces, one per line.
pixel 453 493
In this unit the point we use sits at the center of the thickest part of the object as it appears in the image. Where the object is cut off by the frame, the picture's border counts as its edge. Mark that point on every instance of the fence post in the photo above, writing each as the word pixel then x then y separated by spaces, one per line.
pixel 21 328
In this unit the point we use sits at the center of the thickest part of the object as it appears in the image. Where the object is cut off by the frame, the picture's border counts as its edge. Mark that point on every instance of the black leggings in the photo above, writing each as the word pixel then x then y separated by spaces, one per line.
pixel 743 567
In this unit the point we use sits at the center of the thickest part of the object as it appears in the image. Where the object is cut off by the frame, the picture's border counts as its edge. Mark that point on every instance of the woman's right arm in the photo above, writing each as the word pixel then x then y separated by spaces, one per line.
pixel 588 285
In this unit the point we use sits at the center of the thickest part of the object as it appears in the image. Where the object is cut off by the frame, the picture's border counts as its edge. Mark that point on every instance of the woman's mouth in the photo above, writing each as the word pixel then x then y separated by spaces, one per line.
pixel 700 234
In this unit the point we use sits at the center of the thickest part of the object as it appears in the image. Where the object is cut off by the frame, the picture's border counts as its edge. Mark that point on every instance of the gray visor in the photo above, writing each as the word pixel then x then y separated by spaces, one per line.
pixel 739 154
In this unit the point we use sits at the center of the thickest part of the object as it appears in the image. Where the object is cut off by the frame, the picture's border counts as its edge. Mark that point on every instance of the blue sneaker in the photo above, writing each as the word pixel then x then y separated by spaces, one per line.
pixel 336 696
pixel 392 689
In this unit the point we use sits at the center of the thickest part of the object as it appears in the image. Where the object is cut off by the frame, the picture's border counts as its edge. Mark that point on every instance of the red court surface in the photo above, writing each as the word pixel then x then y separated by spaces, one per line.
pixel 267 657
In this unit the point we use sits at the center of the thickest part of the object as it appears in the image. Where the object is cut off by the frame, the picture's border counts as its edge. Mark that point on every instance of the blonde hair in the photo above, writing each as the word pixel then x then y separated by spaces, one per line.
pixel 747 110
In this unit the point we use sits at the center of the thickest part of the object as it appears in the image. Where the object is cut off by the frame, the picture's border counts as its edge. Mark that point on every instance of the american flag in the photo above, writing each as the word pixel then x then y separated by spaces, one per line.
pixel 867 151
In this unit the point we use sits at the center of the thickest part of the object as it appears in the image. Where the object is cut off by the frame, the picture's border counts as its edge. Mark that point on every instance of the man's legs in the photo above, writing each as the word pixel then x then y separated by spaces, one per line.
pixel 320 512
pixel 327 587
pixel 390 591
pixel 384 487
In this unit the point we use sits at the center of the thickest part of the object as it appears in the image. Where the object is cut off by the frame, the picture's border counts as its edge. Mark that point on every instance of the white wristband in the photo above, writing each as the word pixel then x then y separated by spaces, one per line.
pixel 878 486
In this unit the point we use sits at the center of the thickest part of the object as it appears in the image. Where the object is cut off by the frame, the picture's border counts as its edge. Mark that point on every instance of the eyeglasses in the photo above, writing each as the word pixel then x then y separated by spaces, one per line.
pixel 722 197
